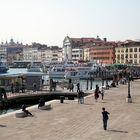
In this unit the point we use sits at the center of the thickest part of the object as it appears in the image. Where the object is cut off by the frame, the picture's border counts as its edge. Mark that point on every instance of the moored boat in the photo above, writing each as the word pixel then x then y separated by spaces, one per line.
pixel 3 68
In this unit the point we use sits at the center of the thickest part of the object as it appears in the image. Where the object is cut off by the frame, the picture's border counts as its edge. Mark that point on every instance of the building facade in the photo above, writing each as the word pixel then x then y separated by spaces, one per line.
pixel 14 50
pixel 128 52
pixel 71 46
pixel 103 52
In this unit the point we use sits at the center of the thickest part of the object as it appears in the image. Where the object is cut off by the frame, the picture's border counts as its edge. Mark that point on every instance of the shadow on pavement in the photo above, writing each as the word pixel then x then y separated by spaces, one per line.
pixel 118 131
pixel 2 125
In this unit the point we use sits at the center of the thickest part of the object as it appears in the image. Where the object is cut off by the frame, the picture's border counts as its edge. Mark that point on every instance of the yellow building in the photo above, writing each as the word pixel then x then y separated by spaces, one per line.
pixel 128 52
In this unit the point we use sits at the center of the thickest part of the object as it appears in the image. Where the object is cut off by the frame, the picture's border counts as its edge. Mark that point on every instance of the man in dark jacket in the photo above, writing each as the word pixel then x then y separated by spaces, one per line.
pixel 105 118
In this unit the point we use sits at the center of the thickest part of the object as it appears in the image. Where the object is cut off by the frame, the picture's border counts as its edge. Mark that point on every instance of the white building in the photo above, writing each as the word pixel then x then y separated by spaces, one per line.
pixel 77 54
pixel 67 48
pixel 30 54
pixel 3 54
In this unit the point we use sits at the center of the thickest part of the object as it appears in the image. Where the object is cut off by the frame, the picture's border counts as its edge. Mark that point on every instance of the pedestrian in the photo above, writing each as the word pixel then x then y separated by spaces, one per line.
pixel 80 97
pixel 105 118
pixel 34 87
pixel 78 87
pixel 102 93
pixel 96 93
pixel 71 87
pixel 12 87
pixel 26 111
pixel 41 102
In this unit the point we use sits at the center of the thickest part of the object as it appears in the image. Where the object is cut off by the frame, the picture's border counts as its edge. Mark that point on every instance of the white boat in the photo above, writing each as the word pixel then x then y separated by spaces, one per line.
pixel 67 71
pixel 3 68
pixel 34 68
pixel 82 72
pixel 57 71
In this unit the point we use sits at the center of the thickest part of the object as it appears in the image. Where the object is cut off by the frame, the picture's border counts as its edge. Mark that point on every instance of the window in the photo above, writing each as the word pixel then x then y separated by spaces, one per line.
pixel 131 49
pixel 135 55
pixel 135 49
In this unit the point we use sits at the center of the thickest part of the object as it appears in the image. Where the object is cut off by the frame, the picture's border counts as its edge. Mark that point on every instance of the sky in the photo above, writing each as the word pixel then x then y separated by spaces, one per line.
pixel 50 21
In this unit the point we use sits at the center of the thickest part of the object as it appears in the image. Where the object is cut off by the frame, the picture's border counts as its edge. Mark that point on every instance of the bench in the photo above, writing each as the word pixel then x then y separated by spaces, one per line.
pixel 20 115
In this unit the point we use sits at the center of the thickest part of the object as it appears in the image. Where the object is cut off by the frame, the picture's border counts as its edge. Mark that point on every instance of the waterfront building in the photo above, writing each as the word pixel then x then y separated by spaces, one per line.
pixel 77 54
pixel 14 50
pixel 76 43
pixel 30 53
pixel 52 54
pixel 128 52
pixel 103 52
pixel 86 51
pixel 3 54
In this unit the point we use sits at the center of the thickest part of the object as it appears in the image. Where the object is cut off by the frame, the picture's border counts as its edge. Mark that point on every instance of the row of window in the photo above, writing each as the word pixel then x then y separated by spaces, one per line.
pixel 96 53
pixel 129 50
pixel 129 61
pixel 122 56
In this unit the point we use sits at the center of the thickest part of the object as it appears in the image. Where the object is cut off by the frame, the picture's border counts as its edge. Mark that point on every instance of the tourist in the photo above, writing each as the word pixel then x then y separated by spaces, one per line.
pixel 23 88
pixel 34 87
pixel 102 93
pixel 41 102
pixel 17 87
pixel 78 87
pixel 105 118
pixel 12 87
pixel 80 97
pixel 96 93
pixel 26 111
pixel 71 87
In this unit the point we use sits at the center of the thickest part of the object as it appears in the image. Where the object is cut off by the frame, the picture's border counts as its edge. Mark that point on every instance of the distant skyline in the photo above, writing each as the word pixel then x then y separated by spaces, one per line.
pixel 49 21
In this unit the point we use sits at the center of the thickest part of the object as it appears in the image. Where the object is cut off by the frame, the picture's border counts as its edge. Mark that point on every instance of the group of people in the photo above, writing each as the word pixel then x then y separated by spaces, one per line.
pixel 97 92
pixel 80 96
pixel 40 104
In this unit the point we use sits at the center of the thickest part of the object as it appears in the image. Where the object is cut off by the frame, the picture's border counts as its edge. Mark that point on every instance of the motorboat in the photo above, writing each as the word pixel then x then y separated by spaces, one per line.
pixel 34 68
pixel 82 72
pixel 57 71
pixel 3 68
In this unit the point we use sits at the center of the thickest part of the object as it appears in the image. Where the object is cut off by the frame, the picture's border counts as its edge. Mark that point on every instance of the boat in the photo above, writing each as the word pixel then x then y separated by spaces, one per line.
pixel 3 67
pixel 82 72
pixel 34 68
pixel 57 71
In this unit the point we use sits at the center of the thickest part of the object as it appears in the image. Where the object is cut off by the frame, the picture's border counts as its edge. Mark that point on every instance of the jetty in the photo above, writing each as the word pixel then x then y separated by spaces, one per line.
pixel 73 121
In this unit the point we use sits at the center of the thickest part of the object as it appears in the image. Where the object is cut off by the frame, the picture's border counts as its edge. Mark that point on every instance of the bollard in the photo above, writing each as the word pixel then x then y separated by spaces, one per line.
pixel 62 99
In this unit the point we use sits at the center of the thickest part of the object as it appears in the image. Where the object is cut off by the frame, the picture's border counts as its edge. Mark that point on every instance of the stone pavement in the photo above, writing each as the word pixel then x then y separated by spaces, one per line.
pixel 73 121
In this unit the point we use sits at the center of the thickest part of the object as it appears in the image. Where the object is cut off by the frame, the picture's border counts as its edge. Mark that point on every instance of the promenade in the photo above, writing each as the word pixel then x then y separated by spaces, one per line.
pixel 73 121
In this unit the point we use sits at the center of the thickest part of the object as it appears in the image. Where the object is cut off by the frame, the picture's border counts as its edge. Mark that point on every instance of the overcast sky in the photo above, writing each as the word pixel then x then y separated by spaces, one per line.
pixel 49 21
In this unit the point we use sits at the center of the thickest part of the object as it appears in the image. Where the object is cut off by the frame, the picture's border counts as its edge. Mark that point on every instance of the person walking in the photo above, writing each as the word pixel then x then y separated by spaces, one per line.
pixel 96 93
pixel 105 118
pixel 78 87
pixel 102 93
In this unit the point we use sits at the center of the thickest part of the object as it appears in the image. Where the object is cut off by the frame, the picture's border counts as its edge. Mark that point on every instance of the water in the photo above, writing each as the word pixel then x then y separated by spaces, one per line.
pixel 83 84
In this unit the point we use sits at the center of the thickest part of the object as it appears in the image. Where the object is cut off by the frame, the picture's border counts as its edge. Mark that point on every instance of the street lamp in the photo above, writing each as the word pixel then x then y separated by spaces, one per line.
pixel 128 98
pixel 102 78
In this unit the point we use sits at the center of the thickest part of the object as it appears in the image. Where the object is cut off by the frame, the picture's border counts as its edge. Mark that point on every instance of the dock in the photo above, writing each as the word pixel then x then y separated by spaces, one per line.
pixel 73 121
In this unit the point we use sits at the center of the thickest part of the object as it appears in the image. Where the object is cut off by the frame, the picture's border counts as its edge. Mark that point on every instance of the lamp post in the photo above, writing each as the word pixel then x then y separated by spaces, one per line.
pixel 128 98
pixel 102 78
